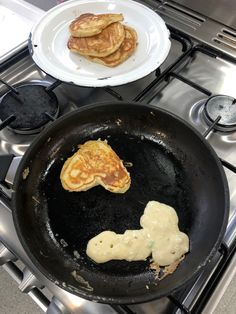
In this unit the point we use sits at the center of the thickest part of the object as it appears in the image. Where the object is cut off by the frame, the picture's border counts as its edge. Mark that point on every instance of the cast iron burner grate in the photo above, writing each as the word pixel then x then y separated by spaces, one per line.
pixel 30 109
pixel 223 107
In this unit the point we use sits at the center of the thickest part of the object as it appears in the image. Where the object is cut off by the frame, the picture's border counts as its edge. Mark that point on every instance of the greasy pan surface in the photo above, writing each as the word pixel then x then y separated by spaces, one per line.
pixel 172 163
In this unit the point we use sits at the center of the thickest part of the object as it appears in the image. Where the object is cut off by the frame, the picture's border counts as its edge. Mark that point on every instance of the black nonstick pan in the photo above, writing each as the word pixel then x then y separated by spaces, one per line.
pixel 172 163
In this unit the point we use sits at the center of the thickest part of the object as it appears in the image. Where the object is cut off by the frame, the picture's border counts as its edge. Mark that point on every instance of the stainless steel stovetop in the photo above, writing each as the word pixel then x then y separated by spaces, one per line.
pixel 190 75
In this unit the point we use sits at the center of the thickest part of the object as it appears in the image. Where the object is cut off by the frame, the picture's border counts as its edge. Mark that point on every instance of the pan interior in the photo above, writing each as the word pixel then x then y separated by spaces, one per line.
pixel 76 217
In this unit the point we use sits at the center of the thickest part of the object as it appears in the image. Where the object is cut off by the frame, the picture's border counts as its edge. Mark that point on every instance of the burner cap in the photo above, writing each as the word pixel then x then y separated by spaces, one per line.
pixel 225 107
pixel 31 108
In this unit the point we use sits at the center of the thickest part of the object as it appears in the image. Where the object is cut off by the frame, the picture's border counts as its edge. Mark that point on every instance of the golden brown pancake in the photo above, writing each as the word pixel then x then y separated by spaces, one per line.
pixel 95 163
pixel 125 50
pixel 89 24
pixel 101 45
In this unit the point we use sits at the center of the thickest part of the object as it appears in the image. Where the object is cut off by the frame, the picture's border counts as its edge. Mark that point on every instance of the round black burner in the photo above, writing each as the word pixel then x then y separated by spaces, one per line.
pixel 223 106
pixel 32 108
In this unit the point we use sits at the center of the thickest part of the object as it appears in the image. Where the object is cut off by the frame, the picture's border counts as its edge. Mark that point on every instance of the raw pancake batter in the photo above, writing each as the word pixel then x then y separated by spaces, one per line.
pixel 159 236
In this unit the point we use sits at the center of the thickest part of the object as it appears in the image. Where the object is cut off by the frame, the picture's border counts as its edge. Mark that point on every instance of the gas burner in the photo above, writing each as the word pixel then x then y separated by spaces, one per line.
pixel 224 107
pixel 29 108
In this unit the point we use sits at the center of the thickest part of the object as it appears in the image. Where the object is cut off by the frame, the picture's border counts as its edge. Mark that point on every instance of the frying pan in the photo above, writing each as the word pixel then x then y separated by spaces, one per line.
pixel 172 163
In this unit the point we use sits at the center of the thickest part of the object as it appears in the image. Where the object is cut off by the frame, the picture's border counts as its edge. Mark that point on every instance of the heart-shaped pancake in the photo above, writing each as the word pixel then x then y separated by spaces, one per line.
pixel 95 163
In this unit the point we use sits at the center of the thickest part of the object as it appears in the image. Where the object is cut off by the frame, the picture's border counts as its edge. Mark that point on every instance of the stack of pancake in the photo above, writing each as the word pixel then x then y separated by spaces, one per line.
pixel 102 38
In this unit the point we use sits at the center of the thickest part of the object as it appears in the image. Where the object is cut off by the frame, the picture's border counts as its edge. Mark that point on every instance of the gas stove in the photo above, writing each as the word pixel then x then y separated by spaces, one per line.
pixel 196 82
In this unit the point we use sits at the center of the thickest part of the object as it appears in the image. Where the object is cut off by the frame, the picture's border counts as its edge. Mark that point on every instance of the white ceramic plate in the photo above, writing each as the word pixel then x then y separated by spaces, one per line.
pixel 48 43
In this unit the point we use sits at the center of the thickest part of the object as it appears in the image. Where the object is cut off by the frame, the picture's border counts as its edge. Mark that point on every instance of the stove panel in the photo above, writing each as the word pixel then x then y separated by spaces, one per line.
pixel 181 85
